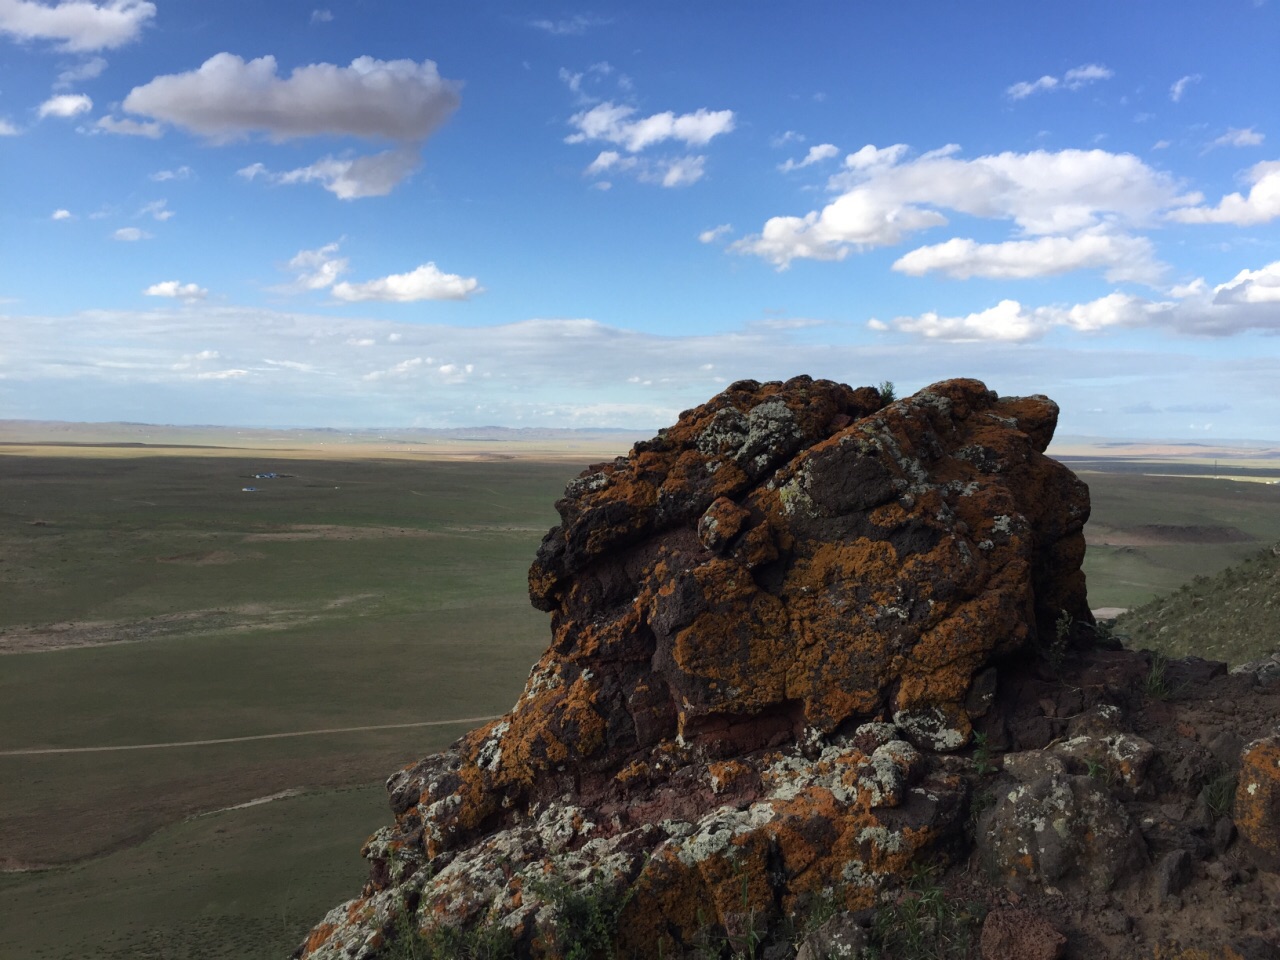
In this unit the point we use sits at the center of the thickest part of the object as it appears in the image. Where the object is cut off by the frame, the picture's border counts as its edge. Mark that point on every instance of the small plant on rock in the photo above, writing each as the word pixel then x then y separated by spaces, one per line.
pixel 887 392
pixel 1220 794
pixel 983 762
pixel 924 924
pixel 1157 685
pixel 586 923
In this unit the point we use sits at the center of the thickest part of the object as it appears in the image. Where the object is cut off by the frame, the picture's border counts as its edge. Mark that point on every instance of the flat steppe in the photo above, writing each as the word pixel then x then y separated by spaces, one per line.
pixel 202 686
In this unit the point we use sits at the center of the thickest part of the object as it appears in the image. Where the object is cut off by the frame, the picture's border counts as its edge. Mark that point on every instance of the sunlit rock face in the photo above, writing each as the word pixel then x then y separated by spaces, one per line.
pixel 766 627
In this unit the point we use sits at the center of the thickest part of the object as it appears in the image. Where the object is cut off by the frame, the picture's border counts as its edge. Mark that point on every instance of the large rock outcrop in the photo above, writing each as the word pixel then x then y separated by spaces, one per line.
pixel 767 624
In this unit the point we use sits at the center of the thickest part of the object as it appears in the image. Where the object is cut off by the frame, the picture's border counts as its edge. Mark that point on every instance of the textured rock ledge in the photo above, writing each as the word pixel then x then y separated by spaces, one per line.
pixel 774 629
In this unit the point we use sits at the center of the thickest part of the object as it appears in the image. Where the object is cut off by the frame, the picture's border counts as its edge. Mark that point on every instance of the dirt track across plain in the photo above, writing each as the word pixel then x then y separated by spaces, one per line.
pixel 38 751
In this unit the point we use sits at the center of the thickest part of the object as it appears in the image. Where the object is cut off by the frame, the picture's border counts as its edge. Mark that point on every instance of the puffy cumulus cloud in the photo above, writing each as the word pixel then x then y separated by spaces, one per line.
pixel 1261 205
pixel 1246 137
pixel 614 123
pixel 76 25
pixel 715 233
pixel 1073 79
pixel 1250 286
pixel 884 197
pixel 427 282
pixel 131 235
pixel 1179 86
pixel 1248 302
pixel 227 98
pixel 816 154
pixel 62 214
pixel 348 178
pixel 1122 257
pixel 177 290
pixel 65 105
pixel 128 127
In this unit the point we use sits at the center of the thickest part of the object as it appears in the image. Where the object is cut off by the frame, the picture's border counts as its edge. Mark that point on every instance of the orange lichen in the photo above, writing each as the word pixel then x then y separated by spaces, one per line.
pixel 1257 805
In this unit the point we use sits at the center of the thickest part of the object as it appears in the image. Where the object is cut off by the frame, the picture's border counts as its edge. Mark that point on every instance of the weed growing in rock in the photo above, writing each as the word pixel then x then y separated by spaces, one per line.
pixel 923 924
pixel 887 391
pixel 586 921
pixel 1220 794
pixel 1157 685
pixel 983 762
pixel 486 941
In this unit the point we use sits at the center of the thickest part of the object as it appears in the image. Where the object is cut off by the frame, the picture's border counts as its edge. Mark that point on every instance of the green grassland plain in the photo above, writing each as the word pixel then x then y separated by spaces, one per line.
pixel 148 599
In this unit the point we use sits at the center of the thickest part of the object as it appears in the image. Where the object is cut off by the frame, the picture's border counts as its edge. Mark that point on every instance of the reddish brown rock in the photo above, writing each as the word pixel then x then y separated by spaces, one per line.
pixel 765 625
pixel 1257 807
pixel 1013 934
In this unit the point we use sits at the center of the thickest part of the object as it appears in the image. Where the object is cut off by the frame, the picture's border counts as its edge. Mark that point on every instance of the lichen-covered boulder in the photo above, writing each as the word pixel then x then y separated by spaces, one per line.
pixel 1257 806
pixel 766 624
pixel 1060 831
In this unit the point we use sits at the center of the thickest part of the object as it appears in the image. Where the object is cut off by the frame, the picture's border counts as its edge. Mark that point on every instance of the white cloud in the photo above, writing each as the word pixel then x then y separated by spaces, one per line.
pixel 347 178
pixel 1179 87
pixel 228 97
pixel 573 26
pixel 816 154
pixel 1161 145
pixel 427 282
pixel 233 374
pixel 1123 257
pixel 1251 286
pixel 682 171
pixel 128 127
pixel 131 234
pixel 317 269
pixel 1248 302
pixel 1073 79
pixel 613 123
pixel 321 16
pixel 178 290
pixel 1247 137
pixel 76 24
pixel 7 129
pixel 669 172
pixel 715 233
pixel 65 105
pixel 90 69
pixel 1261 205
pixel 181 173
pixel 1023 89
pixel 156 210
pixel 61 215
pixel 884 198
pixel 787 136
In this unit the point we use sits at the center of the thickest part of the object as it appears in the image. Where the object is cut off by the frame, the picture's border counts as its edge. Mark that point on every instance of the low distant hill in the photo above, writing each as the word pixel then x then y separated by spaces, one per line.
pixel 1232 616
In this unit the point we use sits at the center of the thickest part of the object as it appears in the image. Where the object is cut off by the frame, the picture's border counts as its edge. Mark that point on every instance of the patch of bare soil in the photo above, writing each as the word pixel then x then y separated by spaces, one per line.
pixel 1165 534
pixel 38 638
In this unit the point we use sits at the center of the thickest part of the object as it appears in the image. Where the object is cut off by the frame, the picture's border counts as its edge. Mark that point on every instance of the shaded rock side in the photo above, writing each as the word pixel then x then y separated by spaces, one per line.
pixel 766 622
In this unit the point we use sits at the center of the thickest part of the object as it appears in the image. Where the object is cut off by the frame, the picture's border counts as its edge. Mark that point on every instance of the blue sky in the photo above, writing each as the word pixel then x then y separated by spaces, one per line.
pixel 386 214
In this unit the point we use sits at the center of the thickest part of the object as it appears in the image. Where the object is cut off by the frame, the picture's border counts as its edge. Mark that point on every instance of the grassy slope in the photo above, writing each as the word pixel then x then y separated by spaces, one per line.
pixel 1127 576
pixel 1233 615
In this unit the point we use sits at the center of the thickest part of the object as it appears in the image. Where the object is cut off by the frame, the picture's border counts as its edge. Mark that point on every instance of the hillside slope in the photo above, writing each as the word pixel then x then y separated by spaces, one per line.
pixel 1232 616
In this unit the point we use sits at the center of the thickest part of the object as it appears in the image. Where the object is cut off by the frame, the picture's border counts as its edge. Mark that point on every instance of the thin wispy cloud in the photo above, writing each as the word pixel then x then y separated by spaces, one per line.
pixel 1073 79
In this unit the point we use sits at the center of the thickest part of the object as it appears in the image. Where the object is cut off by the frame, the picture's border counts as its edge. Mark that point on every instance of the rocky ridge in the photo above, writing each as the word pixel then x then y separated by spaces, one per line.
pixel 804 642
